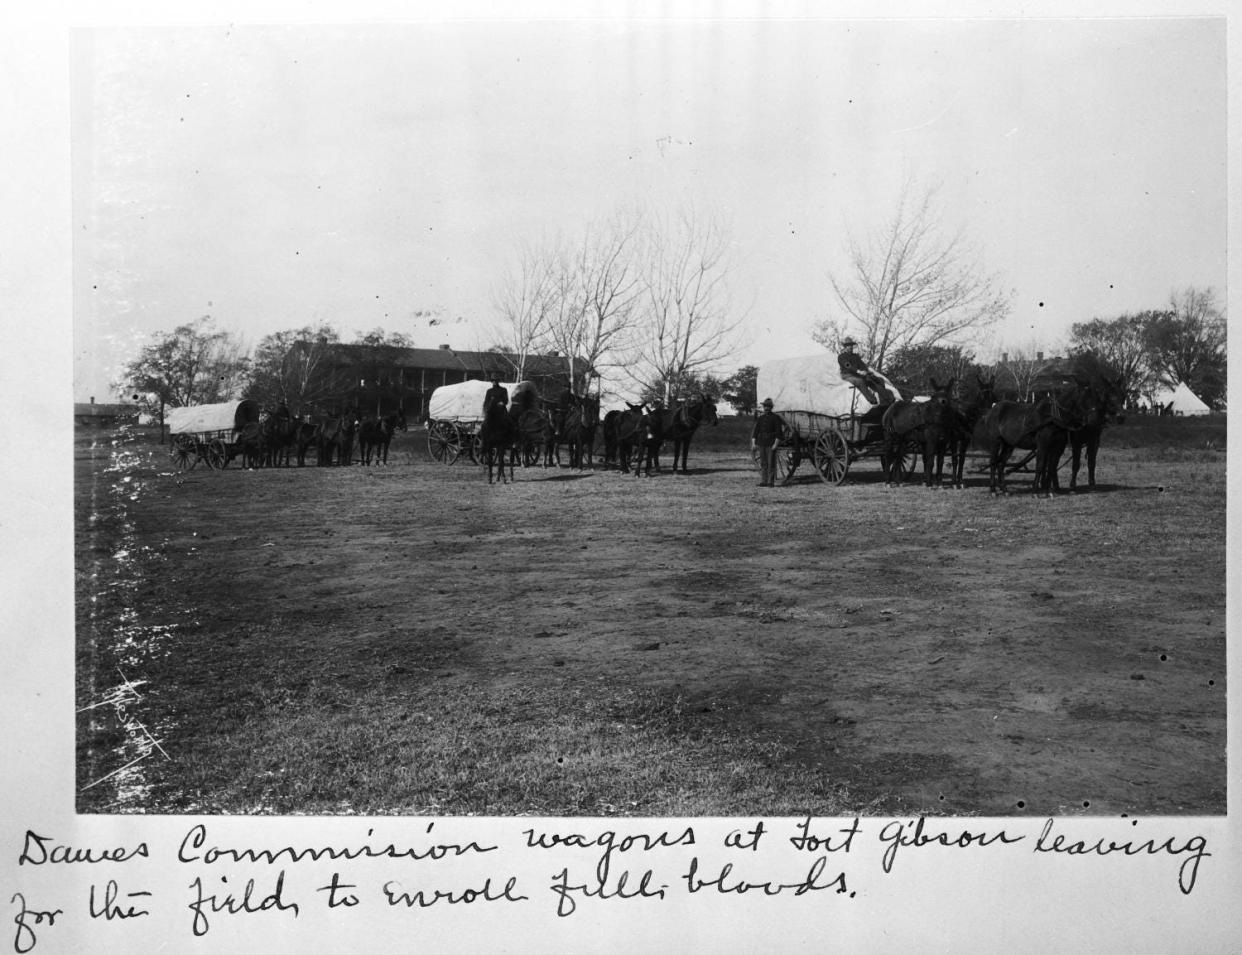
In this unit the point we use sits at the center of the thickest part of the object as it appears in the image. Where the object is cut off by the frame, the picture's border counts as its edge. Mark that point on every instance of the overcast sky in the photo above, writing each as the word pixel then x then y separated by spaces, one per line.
pixel 278 176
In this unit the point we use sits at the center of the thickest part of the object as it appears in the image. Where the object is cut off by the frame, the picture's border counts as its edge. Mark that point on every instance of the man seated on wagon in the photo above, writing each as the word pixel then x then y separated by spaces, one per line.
pixel 857 373
pixel 497 393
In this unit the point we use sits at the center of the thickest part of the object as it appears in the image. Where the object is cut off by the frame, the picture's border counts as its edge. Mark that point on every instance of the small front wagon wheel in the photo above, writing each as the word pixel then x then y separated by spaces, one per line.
pixel 786 464
pixel 906 463
pixel 217 454
pixel 831 456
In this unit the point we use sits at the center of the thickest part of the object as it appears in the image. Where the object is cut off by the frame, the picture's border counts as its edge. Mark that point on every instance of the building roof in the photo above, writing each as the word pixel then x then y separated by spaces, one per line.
pixel 93 410
pixel 449 359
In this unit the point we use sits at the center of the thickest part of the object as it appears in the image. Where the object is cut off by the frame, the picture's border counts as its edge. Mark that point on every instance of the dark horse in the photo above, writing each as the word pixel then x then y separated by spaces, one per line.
pixel 536 434
pixel 1043 426
pixel 928 422
pixel 498 436
pixel 623 431
pixel 277 435
pixel 682 420
pixel 966 414
pixel 1088 436
pixel 304 438
pixel 578 432
pixel 375 435
pixel 1084 370
pixel 336 439
pixel 1092 430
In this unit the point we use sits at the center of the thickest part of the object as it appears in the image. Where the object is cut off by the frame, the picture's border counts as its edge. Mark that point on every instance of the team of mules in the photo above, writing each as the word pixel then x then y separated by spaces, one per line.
pixel 1071 403
pixel 279 439
pixel 637 433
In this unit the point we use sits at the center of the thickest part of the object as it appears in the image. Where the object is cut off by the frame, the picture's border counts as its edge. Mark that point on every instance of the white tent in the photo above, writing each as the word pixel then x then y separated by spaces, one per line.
pixel 1184 401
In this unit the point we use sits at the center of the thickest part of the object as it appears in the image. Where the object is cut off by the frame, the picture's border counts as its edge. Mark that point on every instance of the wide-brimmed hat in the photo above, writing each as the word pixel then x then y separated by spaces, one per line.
pixel 848 342
pixel 767 402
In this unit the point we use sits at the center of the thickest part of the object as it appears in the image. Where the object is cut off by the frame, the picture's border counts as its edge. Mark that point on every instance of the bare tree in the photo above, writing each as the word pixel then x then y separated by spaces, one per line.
pixel 1016 371
pixel 293 368
pixel 686 322
pixel 1121 343
pixel 1189 343
pixel 909 284
pixel 526 299
pixel 595 290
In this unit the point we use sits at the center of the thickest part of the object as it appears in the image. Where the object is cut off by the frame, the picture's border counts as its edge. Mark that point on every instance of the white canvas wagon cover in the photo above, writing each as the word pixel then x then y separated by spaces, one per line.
pixel 464 400
pixel 811 383
pixel 228 416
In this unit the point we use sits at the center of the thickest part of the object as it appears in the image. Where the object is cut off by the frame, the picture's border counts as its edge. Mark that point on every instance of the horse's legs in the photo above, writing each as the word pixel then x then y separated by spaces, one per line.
pixel 997 461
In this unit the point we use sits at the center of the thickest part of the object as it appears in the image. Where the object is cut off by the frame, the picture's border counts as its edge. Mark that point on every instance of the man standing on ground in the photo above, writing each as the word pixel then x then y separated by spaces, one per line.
pixel 767 435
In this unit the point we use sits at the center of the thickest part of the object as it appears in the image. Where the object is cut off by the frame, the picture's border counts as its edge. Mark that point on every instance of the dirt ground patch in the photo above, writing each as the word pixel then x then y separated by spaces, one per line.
pixel 905 649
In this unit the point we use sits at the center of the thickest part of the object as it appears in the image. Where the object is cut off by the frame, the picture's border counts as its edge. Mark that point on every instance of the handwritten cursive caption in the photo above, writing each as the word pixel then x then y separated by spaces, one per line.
pixel 585 867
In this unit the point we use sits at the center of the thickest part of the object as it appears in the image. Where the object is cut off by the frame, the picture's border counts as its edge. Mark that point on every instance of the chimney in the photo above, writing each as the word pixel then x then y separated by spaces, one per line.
pixel 444 348
pixel 1004 358
pixel 92 399
pixel 1039 356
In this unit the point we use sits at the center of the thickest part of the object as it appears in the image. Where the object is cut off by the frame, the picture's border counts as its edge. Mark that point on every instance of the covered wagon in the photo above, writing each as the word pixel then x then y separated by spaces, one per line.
pixel 829 421
pixel 455 412
pixel 211 433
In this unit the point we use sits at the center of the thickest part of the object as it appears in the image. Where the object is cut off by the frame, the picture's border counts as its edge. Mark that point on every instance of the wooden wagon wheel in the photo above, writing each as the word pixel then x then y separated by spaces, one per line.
pixel 786 463
pixel 184 456
pixel 530 454
pixel 908 457
pixel 216 454
pixel 442 443
pixel 831 456
pixel 473 442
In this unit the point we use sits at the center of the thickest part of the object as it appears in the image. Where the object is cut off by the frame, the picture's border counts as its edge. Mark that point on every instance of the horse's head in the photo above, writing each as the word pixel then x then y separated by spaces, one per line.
pixel 941 394
pixel 708 404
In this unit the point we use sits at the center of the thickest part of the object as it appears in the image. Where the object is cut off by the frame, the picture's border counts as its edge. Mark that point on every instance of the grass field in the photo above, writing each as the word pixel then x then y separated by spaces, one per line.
pixel 410 640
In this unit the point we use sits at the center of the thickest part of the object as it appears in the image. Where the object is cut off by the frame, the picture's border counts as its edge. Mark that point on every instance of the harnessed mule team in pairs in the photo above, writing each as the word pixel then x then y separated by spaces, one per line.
pixel 508 422
pixel 834 414
pixel 216 435
pixel 829 413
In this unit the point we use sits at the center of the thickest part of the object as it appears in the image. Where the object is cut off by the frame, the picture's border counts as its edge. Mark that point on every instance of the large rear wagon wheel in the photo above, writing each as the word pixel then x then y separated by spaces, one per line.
pixel 183 454
pixel 442 442
pixel 831 456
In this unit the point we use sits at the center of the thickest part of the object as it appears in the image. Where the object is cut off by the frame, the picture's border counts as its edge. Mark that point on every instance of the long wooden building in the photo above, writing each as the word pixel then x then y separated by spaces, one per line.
pixel 381 379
